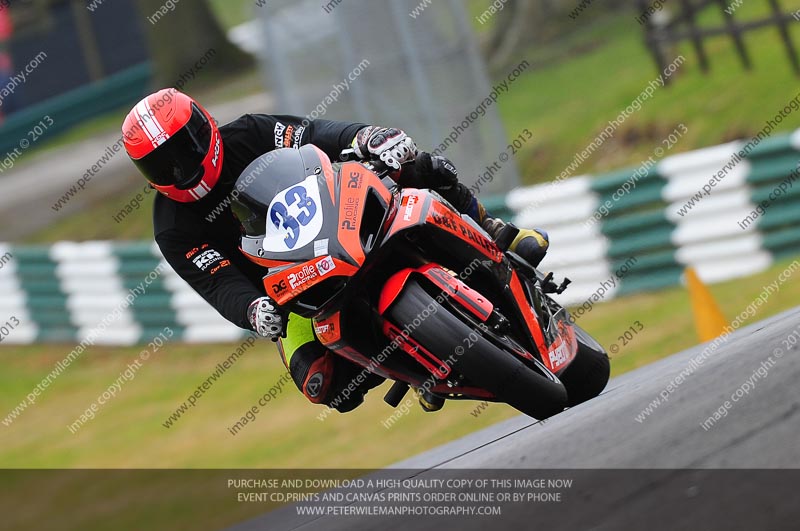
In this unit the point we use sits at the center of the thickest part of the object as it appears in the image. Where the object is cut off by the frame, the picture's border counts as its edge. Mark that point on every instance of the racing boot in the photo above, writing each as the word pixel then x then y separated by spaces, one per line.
pixel 428 401
pixel 530 244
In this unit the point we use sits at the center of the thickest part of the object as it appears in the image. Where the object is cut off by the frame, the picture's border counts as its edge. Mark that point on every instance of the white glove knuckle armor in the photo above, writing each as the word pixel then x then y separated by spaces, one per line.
pixel 265 319
pixel 392 146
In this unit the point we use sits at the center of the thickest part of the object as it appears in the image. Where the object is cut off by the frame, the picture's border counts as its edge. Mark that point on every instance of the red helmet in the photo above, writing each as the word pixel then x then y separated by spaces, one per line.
pixel 175 143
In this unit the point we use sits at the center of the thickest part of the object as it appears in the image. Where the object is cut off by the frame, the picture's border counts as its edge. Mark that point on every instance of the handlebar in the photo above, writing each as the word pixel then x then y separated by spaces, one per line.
pixel 347 155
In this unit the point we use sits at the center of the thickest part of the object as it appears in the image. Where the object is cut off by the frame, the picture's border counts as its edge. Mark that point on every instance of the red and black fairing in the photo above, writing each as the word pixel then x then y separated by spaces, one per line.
pixel 346 272
pixel 307 274
pixel 446 238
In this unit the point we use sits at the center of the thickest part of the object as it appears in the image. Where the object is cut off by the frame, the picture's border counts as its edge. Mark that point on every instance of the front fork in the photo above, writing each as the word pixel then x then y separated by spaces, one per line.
pixel 467 299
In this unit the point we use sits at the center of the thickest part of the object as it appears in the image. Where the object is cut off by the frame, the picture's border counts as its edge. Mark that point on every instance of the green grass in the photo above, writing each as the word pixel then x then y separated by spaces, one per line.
pixel 567 104
pixel 128 433
pixel 96 221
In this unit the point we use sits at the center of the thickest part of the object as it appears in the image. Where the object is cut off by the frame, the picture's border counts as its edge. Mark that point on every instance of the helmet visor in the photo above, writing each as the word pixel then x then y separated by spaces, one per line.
pixel 179 161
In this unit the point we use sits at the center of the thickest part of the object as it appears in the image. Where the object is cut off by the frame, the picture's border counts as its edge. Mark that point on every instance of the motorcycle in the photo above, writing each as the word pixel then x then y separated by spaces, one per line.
pixel 400 283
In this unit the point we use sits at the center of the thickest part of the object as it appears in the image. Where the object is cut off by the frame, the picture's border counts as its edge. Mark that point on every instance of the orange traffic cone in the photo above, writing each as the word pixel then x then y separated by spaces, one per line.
pixel 708 318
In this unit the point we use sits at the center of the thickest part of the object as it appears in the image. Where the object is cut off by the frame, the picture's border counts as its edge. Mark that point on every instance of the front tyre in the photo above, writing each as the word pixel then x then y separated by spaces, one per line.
pixel 482 363
pixel 587 374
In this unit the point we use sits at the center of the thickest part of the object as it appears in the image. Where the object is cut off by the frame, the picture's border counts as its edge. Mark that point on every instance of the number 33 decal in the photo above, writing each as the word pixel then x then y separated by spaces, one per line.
pixel 293 217
pixel 281 218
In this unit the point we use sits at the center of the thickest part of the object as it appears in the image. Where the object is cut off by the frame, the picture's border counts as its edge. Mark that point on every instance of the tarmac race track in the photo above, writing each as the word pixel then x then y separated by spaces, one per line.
pixel 665 470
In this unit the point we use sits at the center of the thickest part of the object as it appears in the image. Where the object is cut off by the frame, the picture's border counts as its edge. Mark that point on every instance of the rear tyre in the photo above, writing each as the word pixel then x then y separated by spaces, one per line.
pixel 482 363
pixel 587 375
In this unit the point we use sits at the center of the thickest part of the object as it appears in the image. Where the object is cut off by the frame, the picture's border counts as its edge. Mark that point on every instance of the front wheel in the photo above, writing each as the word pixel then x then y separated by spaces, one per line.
pixel 587 374
pixel 482 363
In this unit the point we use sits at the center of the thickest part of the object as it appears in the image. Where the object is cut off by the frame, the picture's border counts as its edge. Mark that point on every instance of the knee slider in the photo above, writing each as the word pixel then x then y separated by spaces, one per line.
pixel 311 368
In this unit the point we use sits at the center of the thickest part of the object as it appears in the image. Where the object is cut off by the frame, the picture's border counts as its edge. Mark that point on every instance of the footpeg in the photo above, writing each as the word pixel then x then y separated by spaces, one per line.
pixel 429 401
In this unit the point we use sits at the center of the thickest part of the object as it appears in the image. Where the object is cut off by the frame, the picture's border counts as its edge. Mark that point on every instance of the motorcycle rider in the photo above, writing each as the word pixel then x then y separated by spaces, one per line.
pixel 194 164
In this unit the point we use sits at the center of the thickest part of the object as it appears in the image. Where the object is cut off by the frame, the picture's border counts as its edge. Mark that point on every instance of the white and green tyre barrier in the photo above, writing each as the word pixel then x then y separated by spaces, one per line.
pixel 101 293
pixel 640 228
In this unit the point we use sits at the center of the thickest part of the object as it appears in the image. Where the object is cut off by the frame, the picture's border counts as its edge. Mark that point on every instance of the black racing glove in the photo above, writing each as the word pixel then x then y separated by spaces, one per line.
pixel 439 174
pixel 435 172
